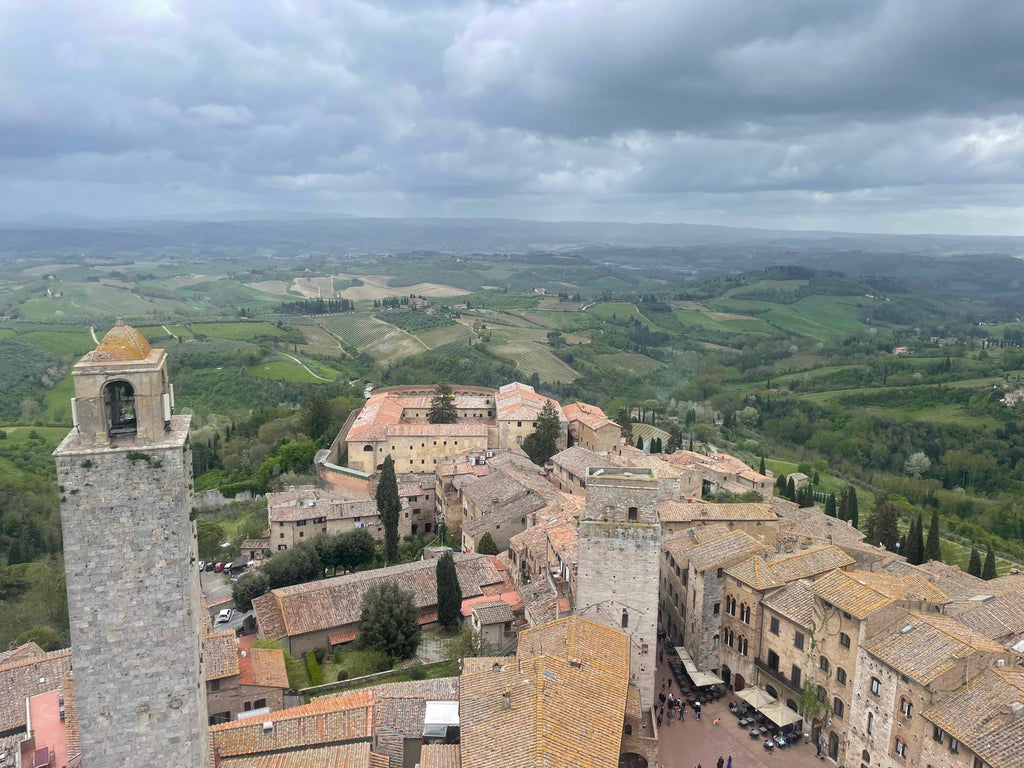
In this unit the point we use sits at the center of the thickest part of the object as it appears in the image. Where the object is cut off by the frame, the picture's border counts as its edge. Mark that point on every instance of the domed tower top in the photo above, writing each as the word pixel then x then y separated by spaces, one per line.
pixel 122 342
pixel 121 390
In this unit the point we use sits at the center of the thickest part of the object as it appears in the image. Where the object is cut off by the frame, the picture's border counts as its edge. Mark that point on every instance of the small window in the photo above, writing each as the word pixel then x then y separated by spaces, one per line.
pixel 901 748
pixel 632 513
pixel 625 618
pixel 838 707
pixel 937 733
pixel 214 685
pixel 906 708
pixel 717 608
pixel 629 730
pixel 721 572
pixel 876 686
pixel 871 723
pixel 798 641
pixel 844 640
pixel 794 675
pixel 773 626
pixel 954 745
pixel 840 675
pixel 823 664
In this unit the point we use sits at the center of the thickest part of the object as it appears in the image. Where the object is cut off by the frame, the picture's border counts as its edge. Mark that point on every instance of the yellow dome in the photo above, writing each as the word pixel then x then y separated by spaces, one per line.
pixel 122 342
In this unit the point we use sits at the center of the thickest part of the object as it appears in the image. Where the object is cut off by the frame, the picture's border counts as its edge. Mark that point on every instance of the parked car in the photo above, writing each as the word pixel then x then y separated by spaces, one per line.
pixel 224 616
pixel 202 565
pixel 209 565
pixel 218 567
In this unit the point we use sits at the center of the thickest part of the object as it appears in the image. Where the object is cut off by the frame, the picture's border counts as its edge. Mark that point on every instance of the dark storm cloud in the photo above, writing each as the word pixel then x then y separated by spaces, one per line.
pixel 897 116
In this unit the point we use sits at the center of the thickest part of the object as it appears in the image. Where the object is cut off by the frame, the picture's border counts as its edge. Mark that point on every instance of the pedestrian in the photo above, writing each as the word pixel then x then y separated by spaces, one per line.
pixel 721 761
pixel 716 721
pixel 728 763
pixel 661 697
pixel 696 708
pixel 670 683
pixel 659 721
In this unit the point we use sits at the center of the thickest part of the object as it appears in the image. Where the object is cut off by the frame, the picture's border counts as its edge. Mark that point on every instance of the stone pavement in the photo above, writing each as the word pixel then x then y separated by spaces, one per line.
pixel 689 743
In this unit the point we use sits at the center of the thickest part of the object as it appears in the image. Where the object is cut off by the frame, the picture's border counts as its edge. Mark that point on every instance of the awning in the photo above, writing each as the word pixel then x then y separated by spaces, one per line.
pixel 342 637
pixel 780 714
pixel 756 697
pixel 700 679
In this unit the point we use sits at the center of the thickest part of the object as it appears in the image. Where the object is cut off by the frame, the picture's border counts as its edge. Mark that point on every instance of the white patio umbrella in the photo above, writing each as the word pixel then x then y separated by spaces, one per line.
pixel 756 697
pixel 779 714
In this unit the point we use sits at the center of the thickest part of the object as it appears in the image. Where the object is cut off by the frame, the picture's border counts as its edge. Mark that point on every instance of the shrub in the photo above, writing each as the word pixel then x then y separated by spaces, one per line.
pixel 342 675
pixel 417 671
pixel 316 677
pixel 3 434
pixel 319 653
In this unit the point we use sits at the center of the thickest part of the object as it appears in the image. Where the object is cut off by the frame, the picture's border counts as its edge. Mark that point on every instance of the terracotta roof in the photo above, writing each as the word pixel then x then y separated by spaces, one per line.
pixel 725 551
pixel 717 463
pixel 561 703
pixel 679 512
pixel 256 544
pixel 263 666
pixel 72 729
pixel 794 602
pixel 334 756
pixel 308 502
pixel 383 415
pixel 493 612
pixel 861 594
pixel 767 574
pixel 330 719
pixel 27 652
pixel 1000 618
pixel 20 677
pixel 121 343
pixel 564 538
pixel 440 756
pixel 520 401
pixel 958 584
pixel 337 638
pixel 334 603
pixel 983 716
pixel 924 646
pixel 220 655
pixel 510 598
pixel 577 459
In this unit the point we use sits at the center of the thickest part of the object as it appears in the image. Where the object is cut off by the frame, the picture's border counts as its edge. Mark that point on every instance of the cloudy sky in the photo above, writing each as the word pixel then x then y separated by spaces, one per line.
pixel 862 115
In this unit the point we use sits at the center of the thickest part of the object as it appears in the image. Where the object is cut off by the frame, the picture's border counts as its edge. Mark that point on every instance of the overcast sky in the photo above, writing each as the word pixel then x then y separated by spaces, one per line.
pixel 894 116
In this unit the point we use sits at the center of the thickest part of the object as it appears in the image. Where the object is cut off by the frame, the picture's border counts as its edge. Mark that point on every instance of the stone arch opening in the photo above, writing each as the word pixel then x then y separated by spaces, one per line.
pixel 738 683
pixel 367 448
pixel 726 674
pixel 632 760
pixel 119 408
pixel 833 745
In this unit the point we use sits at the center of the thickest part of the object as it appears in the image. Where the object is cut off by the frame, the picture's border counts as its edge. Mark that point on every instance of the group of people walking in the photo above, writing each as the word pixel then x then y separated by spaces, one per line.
pixel 676 706
pixel 721 762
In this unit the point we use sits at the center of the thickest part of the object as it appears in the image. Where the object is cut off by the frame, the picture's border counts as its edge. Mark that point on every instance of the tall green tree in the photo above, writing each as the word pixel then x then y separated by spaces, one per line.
pixel 830 505
pixel 388 622
pixel 442 406
pixel 791 490
pixel 316 417
pixel 486 545
pixel 449 593
pixel 248 587
pixel 884 527
pixel 853 513
pixel 389 507
pixel 918 545
pixel 541 444
pixel 988 572
pixel 974 564
pixel 625 423
pixel 761 467
pixel 933 550
pixel 675 439
pixel 640 442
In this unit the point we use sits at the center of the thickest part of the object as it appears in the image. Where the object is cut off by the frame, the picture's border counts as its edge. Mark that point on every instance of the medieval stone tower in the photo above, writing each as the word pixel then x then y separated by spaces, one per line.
pixel 618 561
pixel 125 474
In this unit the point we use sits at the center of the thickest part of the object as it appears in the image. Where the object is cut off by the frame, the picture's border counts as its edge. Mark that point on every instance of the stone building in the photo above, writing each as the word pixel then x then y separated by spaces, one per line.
pixel 240 678
pixel 590 428
pixel 720 471
pixel 693 587
pixel 27 671
pixel 518 408
pixel 746 585
pixel 619 548
pixel 906 668
pixel 125 471
pixel 758 520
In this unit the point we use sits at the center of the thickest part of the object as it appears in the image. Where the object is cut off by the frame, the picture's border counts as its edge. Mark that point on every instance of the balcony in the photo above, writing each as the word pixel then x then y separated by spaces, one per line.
pixel 775 674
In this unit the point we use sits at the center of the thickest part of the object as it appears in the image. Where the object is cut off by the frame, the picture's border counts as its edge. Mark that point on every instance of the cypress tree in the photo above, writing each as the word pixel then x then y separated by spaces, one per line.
pixel 817 480
pixel 761 467
pixel 691 444
pixel 853 514
pixel 791 490
pixel 989 571
pixel 780 484
pixel 919 541
pixel 933 551
pixel 389 507
pixel 830 505
pixel 449 593
pixel 486 545
pixel 640 442
pixel 974 565
pixel 908 546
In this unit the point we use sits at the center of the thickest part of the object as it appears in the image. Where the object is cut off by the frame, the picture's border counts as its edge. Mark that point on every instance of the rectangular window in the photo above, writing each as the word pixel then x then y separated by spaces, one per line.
pixel 954 745
pixel 794 675
pixel 260 703
pixel 937 733
pixel 838 708
pixel 841 676
pixel 876 686
pixel 717 608
pixel 844 640
pixel 721 572
pixel 798 641
pixel 773 626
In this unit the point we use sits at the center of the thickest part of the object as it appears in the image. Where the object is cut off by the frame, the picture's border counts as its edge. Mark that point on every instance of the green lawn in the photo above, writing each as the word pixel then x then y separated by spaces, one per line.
pixel 433 671
pixel 238 331
pixel 6 333
pixel 60 343
pixel 283 369
pixel 57 402
pixel 627 362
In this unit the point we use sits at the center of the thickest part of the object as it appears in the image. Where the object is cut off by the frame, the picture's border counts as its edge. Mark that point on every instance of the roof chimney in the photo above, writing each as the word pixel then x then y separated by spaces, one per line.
pixel 506 699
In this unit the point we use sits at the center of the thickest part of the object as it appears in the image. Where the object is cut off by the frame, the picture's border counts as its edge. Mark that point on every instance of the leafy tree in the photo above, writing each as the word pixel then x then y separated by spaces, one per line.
pixel 248 587
pixel 388 621
pixel 780 484
pixel 791 490
pixel 40 634
pixel 917 464
pixel 625 423
pixel 933 550
pixel 14 552
pixel 486 545
pixel 316 417
pixel 358 549
pixel 449 593
pixel 974 565
pixel 297 565
pixel 675 439
pixel 691 417
pixel 810 707
pixel 989 571
pixel 210 536
pixel 761 467
pixel 389 507
pixel 884 527
pixel 442 406
pixel 541 444
pixel 830 505
pixel 467 644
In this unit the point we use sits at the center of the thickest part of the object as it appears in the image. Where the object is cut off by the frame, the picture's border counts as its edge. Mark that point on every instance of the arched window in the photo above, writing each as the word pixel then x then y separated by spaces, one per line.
pixel 906 708
pixel 838 707
pixel 871 722
pixel 714 642
pixel 119 403
pixel 840 675
pixel 822 694
pixel 901 747
pixel 625 618
pixel 823 663
pixel 632 512
pixel 367 448
pixel 772 692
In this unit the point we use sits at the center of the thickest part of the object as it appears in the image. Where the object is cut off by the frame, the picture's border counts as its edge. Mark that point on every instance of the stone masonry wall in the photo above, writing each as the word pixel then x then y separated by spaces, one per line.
pixel 134 601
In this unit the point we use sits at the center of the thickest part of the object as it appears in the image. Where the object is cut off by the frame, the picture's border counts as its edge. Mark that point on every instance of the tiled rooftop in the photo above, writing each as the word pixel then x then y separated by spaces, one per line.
pixel 767 574
pixel 263 666
pixel 794 602
pixel 493 612
pixel 334 756
pixel 725 551
pixel 981 716
pixel 860 594
pixel 440 756
pixel 924 646
pixel 220 655
pixel 517 401
pixel 682 512
pixel 26 672
pixel 590 415
pixel 1000 618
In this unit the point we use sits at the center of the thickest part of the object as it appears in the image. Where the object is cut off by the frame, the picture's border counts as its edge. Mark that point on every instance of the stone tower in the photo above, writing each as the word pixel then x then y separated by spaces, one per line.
pixel 125 474
pixel 618 561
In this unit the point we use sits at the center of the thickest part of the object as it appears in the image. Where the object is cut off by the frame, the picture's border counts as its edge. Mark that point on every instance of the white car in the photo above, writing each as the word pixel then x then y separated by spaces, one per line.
pixel 202 565
pixel 224 616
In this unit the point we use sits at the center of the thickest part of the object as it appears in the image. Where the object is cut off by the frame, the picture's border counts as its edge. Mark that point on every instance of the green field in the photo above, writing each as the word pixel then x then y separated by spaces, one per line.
pixel 534 357
pixel 766 285
pixel 357 329
pixel 693 317
pixel 628 362
pixel 6 333
pixel 238 331
pixel 617 312
pixel 60 343
pixel 284 369
pixel 818 317
pixel 57 402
